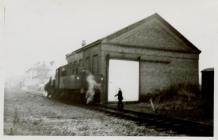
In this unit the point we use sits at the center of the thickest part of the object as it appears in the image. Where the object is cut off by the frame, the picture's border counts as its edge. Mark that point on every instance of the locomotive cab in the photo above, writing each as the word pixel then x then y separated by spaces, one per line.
pixel 76 84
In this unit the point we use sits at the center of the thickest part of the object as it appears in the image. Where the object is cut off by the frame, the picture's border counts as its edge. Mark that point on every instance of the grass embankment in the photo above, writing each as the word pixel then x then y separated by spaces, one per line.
pixel 183 101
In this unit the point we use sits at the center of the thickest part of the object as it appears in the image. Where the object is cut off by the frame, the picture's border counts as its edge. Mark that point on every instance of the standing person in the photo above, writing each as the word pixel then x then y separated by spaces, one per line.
pixel 120 99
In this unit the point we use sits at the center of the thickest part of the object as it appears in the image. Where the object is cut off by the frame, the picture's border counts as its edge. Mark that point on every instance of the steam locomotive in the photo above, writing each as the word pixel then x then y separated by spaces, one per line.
pixel 75 83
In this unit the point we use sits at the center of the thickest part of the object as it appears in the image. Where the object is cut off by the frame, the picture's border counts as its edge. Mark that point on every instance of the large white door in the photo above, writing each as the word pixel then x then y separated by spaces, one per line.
pixel 123 74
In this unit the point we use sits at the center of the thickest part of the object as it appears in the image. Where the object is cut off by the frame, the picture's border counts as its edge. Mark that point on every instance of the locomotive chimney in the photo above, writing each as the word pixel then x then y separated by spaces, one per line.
pixel 83 43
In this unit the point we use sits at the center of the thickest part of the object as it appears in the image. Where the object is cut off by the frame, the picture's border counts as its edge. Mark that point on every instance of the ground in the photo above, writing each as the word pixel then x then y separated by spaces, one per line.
pixel 27 113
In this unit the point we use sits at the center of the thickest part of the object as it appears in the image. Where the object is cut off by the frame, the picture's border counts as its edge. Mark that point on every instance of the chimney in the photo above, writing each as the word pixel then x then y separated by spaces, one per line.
pixel 83 43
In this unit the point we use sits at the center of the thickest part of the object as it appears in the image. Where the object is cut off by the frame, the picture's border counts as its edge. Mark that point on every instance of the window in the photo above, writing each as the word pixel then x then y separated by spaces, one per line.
pixel 63 72
pixel 75 62
pixel 76 70
pixel 80 62
pixel 88 64
pixel 72 71
pixel 95 64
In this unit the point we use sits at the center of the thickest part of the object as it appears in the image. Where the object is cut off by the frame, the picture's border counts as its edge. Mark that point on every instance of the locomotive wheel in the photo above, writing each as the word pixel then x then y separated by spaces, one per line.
pixel 66 96
pixel 54 95
pixel 82 91
pixel 49 95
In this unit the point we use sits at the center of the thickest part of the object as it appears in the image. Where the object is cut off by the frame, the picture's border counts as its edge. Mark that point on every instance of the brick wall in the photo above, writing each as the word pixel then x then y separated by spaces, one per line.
pixel 158 69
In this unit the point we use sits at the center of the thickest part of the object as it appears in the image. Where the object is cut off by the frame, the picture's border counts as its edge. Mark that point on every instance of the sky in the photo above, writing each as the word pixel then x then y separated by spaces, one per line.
pixel 37 30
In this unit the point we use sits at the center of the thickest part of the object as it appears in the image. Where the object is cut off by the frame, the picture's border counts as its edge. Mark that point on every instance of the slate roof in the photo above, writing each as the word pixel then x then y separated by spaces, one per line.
pixel 134 25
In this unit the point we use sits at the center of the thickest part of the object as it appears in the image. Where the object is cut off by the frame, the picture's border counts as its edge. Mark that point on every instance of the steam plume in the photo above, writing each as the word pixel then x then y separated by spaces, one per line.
pixel 92 85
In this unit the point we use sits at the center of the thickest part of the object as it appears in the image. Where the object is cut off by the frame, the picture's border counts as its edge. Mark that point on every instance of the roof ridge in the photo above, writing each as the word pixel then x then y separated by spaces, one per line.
pixel 162 20
pixel 128 28
pixel 134 25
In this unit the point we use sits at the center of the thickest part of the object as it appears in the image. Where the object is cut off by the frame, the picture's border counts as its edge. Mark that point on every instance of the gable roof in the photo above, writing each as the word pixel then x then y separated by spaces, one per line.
pixel 136 24
pixel 128 28
pixel 183 38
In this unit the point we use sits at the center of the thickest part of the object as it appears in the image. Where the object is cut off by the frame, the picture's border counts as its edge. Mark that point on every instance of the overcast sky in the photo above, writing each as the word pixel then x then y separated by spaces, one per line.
pixel 36 30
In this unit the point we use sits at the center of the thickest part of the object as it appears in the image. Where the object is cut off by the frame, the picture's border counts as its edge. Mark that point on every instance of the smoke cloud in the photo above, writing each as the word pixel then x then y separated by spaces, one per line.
pixel 92 85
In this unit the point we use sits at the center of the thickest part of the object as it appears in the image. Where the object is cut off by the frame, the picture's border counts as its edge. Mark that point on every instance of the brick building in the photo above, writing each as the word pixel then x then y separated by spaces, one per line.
pixel 146 56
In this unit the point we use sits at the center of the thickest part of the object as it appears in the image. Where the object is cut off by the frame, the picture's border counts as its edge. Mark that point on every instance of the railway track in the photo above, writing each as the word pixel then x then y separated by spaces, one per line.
pixel 164 123
pixel 34 93
pixel 179 126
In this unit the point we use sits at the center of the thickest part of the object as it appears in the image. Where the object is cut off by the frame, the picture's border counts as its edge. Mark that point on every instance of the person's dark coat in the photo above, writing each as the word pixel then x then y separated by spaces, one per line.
pixel 120 96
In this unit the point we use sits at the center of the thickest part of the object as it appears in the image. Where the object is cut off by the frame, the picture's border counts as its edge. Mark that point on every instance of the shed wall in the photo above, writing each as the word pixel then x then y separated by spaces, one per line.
pixel 158 69
pixel 87 57
pixel 157 76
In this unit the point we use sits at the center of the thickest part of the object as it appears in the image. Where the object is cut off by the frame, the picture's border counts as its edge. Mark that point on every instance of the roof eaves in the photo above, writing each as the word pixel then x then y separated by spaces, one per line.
pixel 86 47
